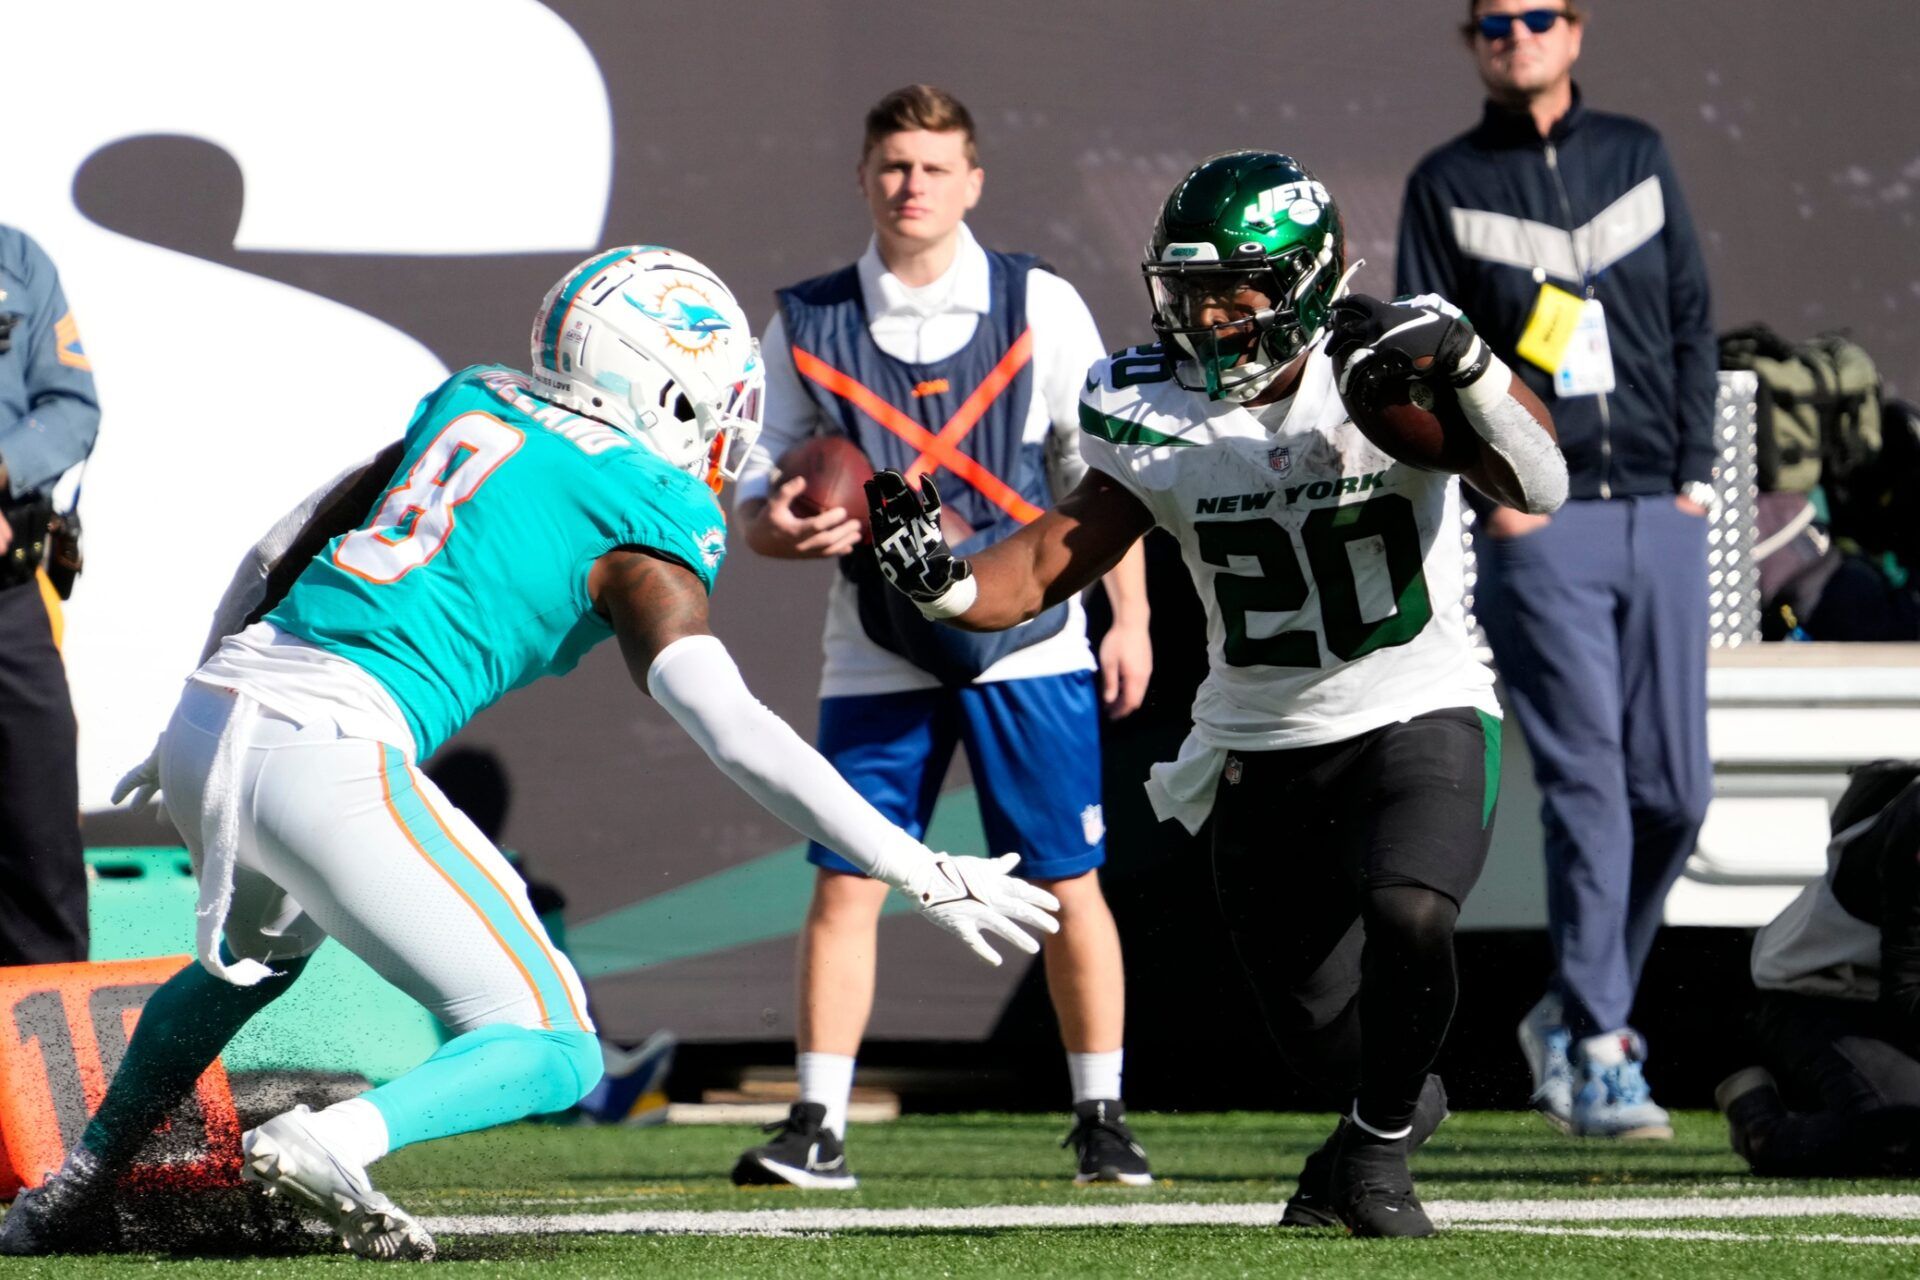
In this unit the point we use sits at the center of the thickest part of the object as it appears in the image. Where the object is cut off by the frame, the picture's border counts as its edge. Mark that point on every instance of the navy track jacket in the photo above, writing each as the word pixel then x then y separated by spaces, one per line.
pixel 1593 208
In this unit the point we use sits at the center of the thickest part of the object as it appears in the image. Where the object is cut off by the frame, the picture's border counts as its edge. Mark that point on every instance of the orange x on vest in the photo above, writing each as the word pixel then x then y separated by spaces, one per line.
pixel 942 450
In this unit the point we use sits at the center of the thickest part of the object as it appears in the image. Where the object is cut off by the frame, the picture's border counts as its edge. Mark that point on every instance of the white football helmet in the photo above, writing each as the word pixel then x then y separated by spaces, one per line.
pixel 648 340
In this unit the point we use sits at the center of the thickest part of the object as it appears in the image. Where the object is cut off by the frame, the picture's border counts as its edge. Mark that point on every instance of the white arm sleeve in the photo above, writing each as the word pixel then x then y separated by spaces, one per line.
pixel 1511 432
pixel 249 583
pixel 696 680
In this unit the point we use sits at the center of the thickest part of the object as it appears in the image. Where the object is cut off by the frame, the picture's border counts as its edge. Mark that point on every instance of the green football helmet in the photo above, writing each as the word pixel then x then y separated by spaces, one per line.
pixel 1243 220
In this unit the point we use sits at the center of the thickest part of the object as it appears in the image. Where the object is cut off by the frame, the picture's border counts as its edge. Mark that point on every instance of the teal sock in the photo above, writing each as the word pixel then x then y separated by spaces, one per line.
pixel 491 1076
pixel 182 1029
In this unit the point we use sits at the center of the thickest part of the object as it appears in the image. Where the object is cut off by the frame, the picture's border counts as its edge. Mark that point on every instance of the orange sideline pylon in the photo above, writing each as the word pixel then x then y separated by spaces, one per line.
pixel 64 1029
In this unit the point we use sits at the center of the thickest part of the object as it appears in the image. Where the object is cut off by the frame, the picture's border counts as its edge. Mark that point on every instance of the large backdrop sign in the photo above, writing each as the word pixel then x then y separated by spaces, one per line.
pixel 280 225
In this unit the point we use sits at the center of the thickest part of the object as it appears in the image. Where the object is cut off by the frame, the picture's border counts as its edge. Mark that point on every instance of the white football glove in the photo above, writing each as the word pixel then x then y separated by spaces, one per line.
pixel 142 782
pixel 970 897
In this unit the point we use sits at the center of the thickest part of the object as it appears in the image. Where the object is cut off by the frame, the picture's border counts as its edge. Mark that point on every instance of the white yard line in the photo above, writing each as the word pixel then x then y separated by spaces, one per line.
pixel 1681 1233
pixel 1640 1208
pixel 1509 1215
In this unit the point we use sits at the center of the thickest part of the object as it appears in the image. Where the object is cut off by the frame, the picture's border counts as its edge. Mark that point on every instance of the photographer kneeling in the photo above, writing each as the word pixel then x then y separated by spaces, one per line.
pixel 1838 1019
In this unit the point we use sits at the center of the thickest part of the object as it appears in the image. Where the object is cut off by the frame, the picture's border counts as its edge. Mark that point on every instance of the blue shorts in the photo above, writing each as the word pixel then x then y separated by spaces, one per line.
pixel 1033 746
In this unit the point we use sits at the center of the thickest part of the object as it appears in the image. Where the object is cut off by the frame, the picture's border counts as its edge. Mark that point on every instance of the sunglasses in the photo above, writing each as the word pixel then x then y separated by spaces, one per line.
pixel 1499 26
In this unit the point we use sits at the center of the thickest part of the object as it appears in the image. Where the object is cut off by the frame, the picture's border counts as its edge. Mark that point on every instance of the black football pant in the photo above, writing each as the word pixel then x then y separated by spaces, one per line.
pixel 1340 871
pixel 43 879
pixel 1850 1105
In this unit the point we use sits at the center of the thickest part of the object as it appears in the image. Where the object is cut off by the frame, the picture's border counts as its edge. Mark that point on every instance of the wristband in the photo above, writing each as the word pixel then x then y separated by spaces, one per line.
pixel 1489 387
pixel 951 603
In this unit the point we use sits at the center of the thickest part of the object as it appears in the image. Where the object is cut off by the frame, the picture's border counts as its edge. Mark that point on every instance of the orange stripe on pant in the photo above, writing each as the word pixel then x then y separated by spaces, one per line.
pixel 386 793
pixel 944 451
pixel 536 934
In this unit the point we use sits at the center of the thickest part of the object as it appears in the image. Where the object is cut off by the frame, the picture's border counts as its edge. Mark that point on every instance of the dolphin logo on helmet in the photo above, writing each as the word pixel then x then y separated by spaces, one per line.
pixel 688 317
pixel 681 372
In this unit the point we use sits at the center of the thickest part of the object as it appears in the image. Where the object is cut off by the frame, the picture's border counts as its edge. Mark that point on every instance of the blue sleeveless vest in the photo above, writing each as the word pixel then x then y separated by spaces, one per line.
pixel 826 321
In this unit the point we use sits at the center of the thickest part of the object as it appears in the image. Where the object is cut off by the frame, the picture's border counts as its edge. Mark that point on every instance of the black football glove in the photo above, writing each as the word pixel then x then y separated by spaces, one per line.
pixel 913 554
pixel 1370 341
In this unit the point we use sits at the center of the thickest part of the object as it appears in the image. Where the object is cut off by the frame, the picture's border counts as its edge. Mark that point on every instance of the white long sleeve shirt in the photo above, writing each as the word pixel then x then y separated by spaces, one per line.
pixel 925 325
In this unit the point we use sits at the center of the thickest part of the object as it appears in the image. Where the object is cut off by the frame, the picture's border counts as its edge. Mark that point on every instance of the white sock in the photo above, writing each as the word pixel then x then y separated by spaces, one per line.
pixel 1095 1076
pixel 827 1078
pixel 353 1130
pixel 1386 1135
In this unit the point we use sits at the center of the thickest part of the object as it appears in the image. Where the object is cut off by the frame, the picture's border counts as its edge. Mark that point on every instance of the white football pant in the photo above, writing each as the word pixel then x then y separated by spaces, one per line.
pixel 343 837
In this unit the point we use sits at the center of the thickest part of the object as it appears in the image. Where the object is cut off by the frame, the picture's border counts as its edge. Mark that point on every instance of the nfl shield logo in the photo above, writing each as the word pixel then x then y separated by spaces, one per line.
pixel 1280 460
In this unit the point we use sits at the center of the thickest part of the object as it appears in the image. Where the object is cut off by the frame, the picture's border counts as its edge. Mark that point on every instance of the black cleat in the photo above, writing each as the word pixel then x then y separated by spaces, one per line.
pixel 1105 1145
pixel 1311 1204
pixel 1372 1188
pixel 1751 1102
pixel 802 1154
pixel 71 1212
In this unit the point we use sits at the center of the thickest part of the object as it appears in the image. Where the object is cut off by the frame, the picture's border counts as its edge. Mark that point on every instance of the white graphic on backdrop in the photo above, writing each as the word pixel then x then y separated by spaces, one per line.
pixel 358 127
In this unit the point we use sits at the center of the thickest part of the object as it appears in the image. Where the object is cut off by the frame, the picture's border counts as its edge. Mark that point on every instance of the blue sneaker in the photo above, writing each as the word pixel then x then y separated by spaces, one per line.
pixel 634 1089
pixel 1547 1044
pixel 1613 1100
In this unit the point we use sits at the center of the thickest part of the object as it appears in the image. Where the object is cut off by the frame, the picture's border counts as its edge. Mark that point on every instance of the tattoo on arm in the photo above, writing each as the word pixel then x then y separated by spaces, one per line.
pixel 650 600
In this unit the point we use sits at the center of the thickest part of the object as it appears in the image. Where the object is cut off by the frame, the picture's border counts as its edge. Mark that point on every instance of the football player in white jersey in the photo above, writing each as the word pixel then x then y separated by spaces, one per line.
pixel 1346 740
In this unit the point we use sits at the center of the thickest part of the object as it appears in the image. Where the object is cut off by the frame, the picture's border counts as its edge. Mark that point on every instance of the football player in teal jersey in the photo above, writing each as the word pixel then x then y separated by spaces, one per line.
pixel 517 523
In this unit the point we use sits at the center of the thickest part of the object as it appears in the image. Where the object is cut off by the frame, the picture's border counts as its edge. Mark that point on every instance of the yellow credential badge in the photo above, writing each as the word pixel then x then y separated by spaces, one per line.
pixel 1550 329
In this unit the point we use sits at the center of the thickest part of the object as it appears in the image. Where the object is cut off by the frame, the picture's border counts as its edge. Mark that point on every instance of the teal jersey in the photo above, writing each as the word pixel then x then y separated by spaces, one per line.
pixel 470 576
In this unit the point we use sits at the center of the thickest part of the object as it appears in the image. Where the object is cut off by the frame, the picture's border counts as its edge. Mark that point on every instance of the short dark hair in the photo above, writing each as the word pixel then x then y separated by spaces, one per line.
pixel 919 106
pixel 1470 28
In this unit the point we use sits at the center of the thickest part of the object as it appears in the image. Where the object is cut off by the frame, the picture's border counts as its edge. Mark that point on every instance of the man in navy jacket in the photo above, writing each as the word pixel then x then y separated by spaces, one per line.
pixel 1562 233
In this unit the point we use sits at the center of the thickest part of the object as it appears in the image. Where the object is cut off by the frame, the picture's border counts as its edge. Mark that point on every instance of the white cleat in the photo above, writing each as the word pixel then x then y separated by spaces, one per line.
pixel 283 1155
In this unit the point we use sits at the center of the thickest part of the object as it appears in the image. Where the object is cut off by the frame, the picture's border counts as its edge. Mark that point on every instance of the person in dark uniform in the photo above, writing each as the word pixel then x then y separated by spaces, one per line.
pixel 1838 1017
pixel 48 417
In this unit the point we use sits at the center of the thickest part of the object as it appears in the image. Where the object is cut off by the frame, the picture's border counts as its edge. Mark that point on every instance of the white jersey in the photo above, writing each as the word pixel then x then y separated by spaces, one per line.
pixel 1332 575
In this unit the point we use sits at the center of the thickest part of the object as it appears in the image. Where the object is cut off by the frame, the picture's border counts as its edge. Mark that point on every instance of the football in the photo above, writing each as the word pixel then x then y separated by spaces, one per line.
pixel 835 469
pixel 1414 422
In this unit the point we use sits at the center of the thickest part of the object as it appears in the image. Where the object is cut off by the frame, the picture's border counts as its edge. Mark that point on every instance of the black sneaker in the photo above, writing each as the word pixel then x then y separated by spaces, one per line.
pixel 1312 1203
pixel 1752 1104
pixel 1372 1188
pixel 71 1212
pixel 802 1154
pixel 1105 1145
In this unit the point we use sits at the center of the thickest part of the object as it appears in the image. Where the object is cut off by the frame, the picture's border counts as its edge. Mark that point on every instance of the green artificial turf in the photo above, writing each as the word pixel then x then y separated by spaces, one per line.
pixel 956 1162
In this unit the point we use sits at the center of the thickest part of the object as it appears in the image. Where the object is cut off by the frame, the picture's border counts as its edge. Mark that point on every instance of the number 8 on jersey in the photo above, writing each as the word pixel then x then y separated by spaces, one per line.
pixel 415 520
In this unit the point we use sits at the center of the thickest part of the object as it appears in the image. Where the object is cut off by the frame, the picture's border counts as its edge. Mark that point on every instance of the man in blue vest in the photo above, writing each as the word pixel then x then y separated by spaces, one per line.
pixel 937 356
